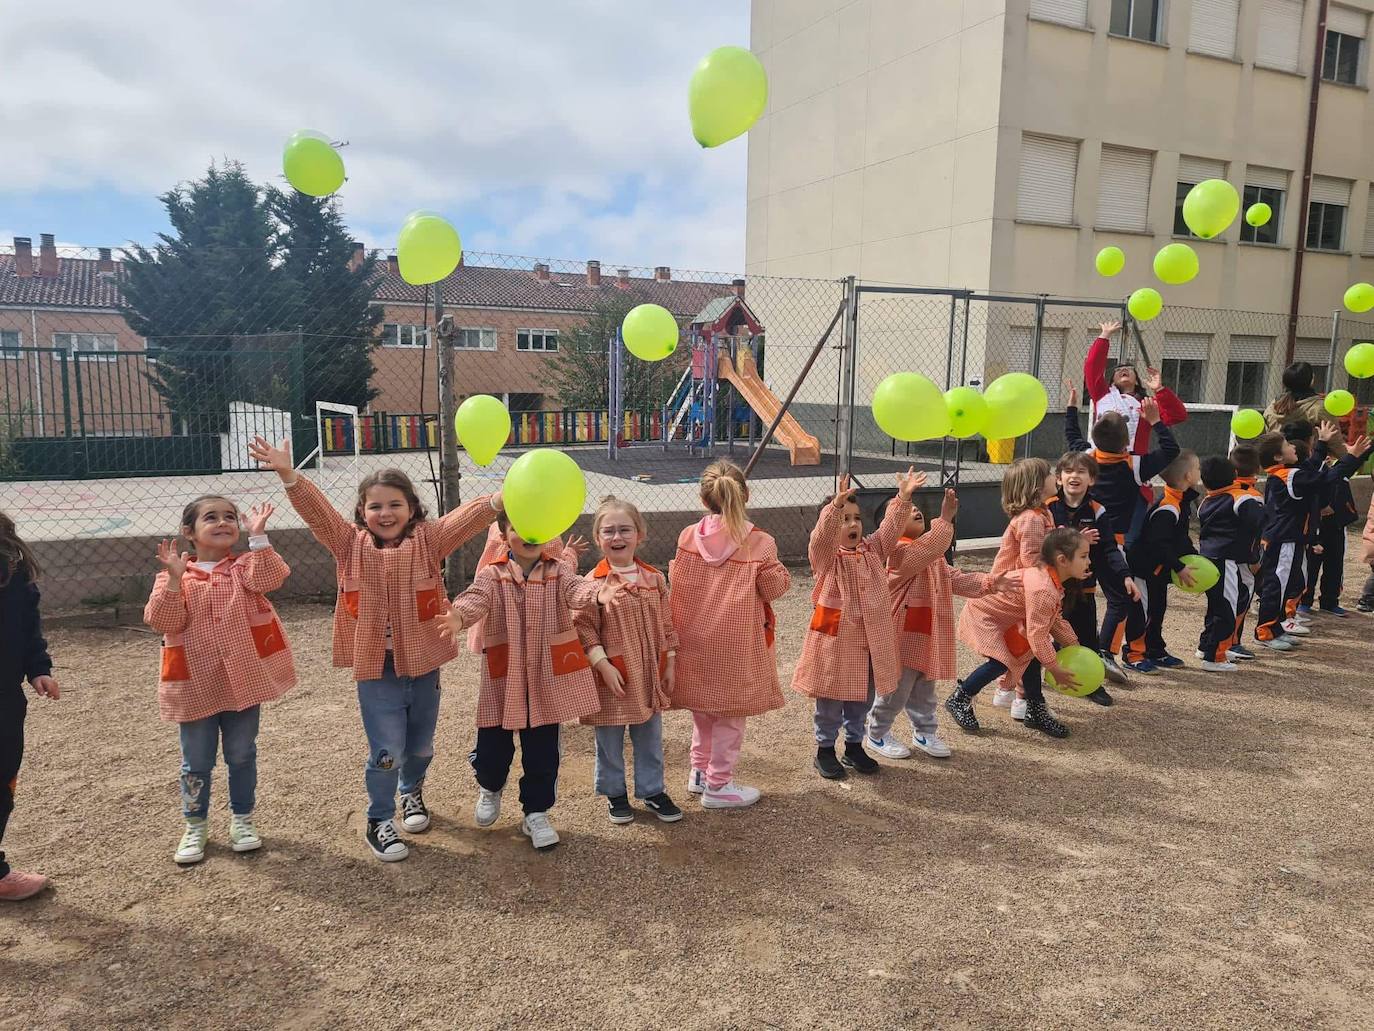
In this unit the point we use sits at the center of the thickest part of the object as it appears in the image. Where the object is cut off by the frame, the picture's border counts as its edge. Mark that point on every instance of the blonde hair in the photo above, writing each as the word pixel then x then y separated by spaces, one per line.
pixel 1023 486
pixel 610 503
pixel 724 492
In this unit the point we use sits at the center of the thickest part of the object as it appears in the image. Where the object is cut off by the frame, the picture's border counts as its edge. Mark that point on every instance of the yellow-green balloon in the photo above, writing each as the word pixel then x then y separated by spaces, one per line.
pixel 907 406
pixel 1145 304
pixel 1247 423
pixel 543 494
pixel 1016 405
pixel 728 92
pixel 1205 574
pixel 1110 261
pixel 1339 402
pixel 1259 214
pixel 1360 298
pixel 1210 207
pixel 427 249
pixel 1359 361
pixel 483 427
pixel 311 163
pixel 968 411
pixel 1085 665
pixel 1175 263
pixel 650 332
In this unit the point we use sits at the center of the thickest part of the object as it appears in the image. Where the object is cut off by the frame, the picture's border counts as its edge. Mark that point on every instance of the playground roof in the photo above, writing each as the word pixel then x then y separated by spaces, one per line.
pixel 716 314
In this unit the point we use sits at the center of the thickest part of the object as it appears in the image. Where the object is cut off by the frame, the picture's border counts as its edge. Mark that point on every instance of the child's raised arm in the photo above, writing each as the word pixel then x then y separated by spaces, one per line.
pixel 825 538
pixel 264 570
pixel 1072 434
pixel 166 608
pixel 329 528
pixel 929 548
pixel 470 606
pixel 454 529
pixel 884 539
pixel 1156 461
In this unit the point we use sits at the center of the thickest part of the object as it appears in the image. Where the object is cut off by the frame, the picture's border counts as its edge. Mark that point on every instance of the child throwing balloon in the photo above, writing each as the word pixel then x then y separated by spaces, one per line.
pixel 725 577
pixel 224 654
pixel 386 625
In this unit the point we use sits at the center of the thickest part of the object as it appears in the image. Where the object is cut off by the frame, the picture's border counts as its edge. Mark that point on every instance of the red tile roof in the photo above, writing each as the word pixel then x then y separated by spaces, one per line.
pixel 77 284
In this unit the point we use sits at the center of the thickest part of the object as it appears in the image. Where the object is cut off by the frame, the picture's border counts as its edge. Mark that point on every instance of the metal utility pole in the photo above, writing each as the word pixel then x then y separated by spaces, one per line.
pixel 450 476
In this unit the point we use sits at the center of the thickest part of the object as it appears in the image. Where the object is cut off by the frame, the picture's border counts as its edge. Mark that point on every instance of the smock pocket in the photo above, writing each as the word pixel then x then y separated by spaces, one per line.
pixel 770 625
pixel 496 652
pixel 268 637
pixel 566 654
pixel 918 620
pixel 428 600
pixel 348 595
pixel 825 620
pixel 175 666
pixel 1016 641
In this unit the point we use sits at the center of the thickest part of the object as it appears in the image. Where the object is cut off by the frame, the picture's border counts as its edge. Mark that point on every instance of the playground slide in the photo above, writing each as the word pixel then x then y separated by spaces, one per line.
pixel 804 448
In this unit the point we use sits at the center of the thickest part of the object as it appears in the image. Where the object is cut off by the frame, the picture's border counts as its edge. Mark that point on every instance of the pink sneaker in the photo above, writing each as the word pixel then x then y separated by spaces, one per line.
pixel 729 796
pixel 17 885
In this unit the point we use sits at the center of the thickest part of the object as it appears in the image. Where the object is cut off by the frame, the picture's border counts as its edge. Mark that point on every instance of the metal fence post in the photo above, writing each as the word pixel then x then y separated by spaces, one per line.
pixel 1335 343
pixel 844 428
pixel 66 396
pixel 1036 333
pixel 450 475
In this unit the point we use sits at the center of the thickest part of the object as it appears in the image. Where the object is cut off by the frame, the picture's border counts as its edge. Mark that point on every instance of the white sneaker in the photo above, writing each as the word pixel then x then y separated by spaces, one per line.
pixel 1278 644
pixel 888 746
pixel 540 832
pixel 488 806
pixel 931 744
pixel 1219 667
pixel 243 836
pixel 385 842
pixel 1302 617
pixel 1003 699
pixel 1292 626
pixel 1018 707
pixel 729 796
pixel 696 782
pixel 192 847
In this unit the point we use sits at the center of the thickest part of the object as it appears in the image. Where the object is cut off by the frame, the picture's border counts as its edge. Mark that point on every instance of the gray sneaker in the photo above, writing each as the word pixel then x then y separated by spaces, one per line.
pixel 537 828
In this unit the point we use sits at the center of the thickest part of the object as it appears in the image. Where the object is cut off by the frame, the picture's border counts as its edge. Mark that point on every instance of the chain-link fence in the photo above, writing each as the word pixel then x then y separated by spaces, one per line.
pixel 130 383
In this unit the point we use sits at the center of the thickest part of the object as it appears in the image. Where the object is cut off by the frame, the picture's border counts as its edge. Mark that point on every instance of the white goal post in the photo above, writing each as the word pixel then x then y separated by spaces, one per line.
pixel 1229 409
pixel 331 407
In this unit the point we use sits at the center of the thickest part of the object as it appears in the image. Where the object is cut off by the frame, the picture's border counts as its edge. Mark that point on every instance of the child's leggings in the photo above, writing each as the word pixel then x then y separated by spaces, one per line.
pixel 991 669
pixel 916 694
pixel 716 744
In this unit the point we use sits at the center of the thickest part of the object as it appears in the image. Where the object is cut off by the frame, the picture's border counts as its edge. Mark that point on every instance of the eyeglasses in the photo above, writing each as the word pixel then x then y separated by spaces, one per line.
pixel 617 531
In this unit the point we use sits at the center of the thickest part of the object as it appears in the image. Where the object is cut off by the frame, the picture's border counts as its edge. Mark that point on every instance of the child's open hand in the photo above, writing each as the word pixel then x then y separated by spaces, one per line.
pixel 1071 391
pixel 1153 380
pixel 610 676
pixel 844 494
pixel 257 518
pixel 612 589
pixel 1091 536
pixel 1360 446
pixel 46 687
pixel 909 482
pixel 949 505
pixel 577 545
pixel 1327 431
pixel 169 553
pixel 1000 584
pixel 1149 410
pixel 452 626
pixel 278 459
pixel 1185 577
pixel 1062 676
pixel 1108 328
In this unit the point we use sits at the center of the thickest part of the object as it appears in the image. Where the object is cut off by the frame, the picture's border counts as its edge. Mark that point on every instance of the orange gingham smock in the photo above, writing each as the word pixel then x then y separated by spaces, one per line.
pixel 851 623
pixel 534 671
pixel 1016 626
pixel 1021 540
pixel 725 625
pixel 496 550
pixel 922 587
pixel 223 647
pixel 636 630
pixel 401 585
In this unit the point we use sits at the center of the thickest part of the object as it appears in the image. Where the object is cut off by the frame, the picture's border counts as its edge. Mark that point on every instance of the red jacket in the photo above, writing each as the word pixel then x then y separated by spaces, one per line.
pixel 1171 409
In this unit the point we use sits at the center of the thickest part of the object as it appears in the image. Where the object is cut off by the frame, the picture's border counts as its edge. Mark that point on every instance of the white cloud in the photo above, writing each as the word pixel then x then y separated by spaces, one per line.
pixel 454 106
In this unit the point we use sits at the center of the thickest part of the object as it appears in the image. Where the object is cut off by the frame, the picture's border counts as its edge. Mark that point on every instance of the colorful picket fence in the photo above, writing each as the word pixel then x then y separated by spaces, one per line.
pixel 385 432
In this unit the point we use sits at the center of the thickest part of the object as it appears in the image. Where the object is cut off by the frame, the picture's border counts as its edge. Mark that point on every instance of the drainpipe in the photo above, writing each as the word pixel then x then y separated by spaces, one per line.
pixel 1306 192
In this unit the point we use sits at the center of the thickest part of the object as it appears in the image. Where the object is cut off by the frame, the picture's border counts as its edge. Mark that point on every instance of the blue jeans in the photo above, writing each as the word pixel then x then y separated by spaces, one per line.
pixel 647 740
pixel 200 743
pixel 399 715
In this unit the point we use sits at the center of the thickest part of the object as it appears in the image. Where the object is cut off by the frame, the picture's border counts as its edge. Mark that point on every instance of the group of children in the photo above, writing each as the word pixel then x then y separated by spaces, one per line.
pixel 616 648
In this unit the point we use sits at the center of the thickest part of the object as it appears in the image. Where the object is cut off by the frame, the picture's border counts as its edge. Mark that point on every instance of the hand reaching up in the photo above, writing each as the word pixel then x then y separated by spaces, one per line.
pixel 844 494
pixel 908 483
pixel 256 522
pixel 278 459
pixel 1071 392
pixel 1149 410
pixel 1153 380
pixel 577 545
pixel 949 505
pixel 1108 328
pixel 1360 446
pixel 1327 431
pixel 175 560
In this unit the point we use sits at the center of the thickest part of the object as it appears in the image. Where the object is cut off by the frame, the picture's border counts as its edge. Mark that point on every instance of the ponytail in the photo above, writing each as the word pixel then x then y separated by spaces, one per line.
pixel 724 492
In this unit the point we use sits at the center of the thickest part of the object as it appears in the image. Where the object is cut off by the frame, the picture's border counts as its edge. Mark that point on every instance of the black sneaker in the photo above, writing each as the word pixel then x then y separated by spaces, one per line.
pixel 1100 696
pixel 385 843
pixel 414 812
pixel 663 807
pixel 1365 606
pixel 620 811
pixel 1038 717
pixel 828 766
pixel 857 759
pixel 960 706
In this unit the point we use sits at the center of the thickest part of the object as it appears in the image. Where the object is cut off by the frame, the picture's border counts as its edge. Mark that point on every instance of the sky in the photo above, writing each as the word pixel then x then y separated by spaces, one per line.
pixel 548 128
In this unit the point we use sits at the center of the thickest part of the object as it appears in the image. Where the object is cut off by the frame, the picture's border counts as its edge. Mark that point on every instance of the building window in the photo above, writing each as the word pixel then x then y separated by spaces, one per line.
pixel 1280 29
pixel 1245 383
pixel 1325 226
pixel 1316 352
pixel 1046 180
pixel 1066 12
pixel 536 340
pixel 1342 50
pixel 1213 30
pixel 1369 223
pixel 1191 171
pixel 1184 376
pixel 1269 232
pixel 1123 200
pixel 10 342
pixel 475 339
pixel 1139 19
pixel 402 335
pixel 87 343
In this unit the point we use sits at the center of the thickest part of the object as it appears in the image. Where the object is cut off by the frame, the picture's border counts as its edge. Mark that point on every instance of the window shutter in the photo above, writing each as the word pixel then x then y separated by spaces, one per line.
pixel 1347 21
pixel 1045 187
pixel 1194 346
pixel 1266 178
pixel 1251 349
pixel 1326 190
pixel 1124 189
pixel 1195 170
pixel 1369 224
pixel 1280 27
pixel 1315 350
pixel 1070 12
pixel 1214 27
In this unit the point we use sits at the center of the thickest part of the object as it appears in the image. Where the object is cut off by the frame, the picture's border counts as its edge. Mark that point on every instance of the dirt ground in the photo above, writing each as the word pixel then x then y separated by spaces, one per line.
pixel 1199 855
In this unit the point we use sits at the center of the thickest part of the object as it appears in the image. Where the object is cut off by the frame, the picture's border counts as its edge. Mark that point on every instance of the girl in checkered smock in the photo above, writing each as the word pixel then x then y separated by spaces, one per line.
pixel 725 577
pixel 386 625
pixel 223 654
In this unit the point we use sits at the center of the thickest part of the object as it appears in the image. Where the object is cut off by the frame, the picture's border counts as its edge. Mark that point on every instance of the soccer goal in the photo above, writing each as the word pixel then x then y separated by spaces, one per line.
pixel 333 421
pixel 1229 410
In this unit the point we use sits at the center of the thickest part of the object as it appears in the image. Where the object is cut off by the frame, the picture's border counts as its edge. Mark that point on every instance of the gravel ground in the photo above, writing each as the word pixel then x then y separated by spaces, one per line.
pixel 1199 855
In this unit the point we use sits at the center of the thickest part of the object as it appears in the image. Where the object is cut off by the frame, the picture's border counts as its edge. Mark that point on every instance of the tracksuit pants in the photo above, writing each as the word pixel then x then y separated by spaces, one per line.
pixel 1227 602
pixel 1280 579
pixel 1326 572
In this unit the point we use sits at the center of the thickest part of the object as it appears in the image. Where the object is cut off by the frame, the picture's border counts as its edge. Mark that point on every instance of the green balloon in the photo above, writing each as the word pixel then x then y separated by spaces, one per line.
pixel 311 163
pixel 1205 574
pixel 1259 214
pixel 544 493
pixel 968 412
pixel 1360 298
pixel 650 332
pixel 427 249
pixel 1145 304
pixel 483 427
pixel 1339 403
pixel 1247 423
pixel 1110 261
pixel 907 406
pixel 1085 665
pixel 1016 405
pixel 1175 263
pixel 1210 207
pixel 726 96
pixel 1359 361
